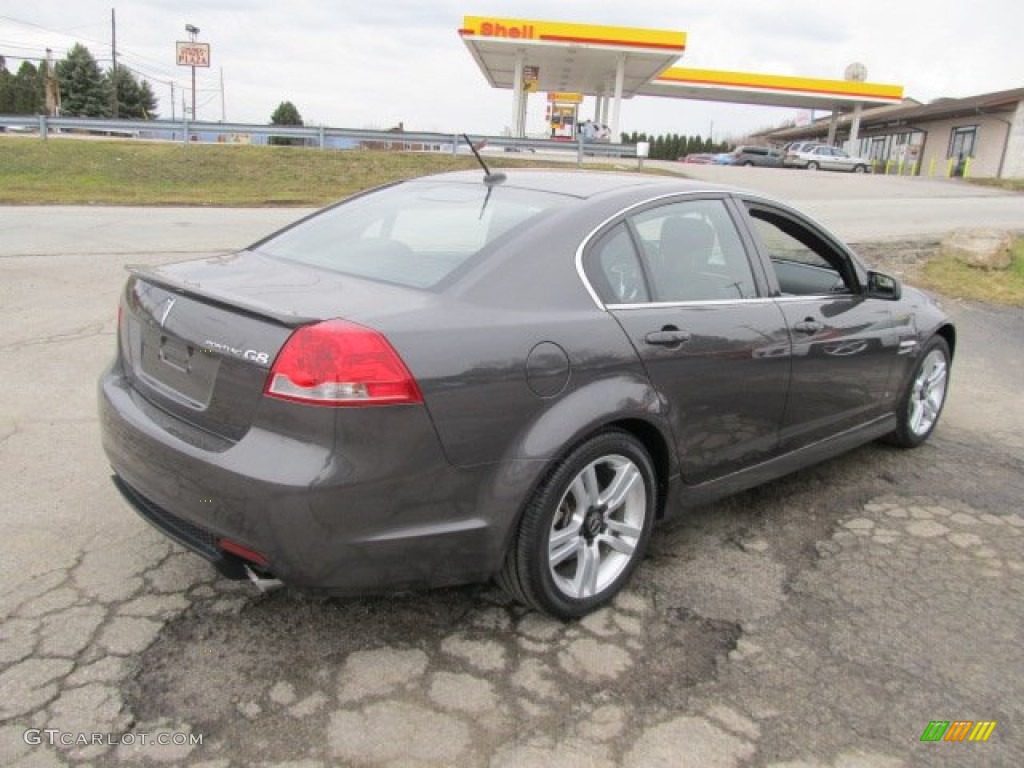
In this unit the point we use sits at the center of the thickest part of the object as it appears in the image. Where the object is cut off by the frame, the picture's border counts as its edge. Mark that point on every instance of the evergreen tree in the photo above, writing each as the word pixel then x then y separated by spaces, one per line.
pixel 135 100
pixel 285 114
pixel 6 100
pixel 25 96
pixel 84 90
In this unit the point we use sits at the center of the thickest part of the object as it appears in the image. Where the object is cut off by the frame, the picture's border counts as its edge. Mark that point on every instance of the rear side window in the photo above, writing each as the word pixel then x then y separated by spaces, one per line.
pixel 413 234
pixel 694 253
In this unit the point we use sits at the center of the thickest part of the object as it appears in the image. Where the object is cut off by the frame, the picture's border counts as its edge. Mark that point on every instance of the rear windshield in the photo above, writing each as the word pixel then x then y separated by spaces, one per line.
pixel 413 234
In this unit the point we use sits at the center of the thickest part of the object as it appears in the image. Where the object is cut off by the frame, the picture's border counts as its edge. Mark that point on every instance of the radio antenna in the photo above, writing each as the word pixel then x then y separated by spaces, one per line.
pixel 489 178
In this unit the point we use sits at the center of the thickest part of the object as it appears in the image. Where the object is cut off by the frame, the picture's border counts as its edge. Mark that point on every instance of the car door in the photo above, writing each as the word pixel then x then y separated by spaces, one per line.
pixel 678 279
pixel 844 344
pixel 823 157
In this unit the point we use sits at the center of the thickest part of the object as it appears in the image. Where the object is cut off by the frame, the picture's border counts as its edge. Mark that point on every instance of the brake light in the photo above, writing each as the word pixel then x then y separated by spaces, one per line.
pixel 339 363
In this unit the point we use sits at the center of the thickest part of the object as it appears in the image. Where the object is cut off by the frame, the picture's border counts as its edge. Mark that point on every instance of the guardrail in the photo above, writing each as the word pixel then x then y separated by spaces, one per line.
pixel 321 136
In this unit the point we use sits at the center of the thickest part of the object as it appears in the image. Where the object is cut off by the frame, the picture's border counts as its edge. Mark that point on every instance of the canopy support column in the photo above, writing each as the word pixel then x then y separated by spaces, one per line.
pixel 833 124
pixel 620 76
pixel 518 121
pixel 855 130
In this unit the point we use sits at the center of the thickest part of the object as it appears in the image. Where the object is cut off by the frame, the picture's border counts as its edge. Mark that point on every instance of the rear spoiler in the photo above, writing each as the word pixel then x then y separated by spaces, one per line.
pixel 226 300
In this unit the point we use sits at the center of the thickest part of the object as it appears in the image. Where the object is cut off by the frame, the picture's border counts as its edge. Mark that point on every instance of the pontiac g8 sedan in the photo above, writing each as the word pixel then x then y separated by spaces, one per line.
pixel 464 377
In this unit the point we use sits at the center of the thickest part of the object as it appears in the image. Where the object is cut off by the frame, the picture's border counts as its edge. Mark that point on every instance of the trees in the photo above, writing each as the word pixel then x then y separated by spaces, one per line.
pixel 672 146
pixel 135 100
pixel 285 114
pixel 84 91
pixel 22 93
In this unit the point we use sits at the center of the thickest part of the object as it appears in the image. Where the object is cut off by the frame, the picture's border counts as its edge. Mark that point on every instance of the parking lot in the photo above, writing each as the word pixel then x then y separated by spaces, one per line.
pixel 823 620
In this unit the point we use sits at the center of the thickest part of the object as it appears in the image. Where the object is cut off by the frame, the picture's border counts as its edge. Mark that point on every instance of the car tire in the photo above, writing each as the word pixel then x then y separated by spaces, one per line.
pixel 746 164
pixel 920 404
pixel 859 169
pixel 586 528
pixel 812 166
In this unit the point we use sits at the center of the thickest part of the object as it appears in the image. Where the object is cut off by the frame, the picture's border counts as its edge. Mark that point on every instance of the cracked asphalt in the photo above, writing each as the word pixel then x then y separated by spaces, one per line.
pixel 822 620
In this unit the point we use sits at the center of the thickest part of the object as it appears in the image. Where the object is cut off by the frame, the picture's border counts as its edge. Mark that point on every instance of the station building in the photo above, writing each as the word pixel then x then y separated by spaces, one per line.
pixel 980 136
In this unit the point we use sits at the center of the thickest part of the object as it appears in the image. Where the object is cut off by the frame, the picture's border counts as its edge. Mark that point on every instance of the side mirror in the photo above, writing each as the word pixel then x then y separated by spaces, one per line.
pixel 883 286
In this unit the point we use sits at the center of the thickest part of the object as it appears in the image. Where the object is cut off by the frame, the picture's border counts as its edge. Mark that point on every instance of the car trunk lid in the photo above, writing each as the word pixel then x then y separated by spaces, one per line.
pixel 198 338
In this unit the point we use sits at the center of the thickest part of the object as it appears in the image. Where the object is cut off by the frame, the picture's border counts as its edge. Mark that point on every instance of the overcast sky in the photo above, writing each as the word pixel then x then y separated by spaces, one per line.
pixel 374 63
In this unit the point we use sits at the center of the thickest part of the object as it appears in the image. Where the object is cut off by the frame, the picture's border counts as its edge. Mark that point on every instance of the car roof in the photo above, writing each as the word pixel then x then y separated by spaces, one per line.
pixel 582 184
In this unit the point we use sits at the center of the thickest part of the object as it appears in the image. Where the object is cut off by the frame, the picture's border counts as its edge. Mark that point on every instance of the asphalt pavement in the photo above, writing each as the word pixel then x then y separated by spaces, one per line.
pixel 823 620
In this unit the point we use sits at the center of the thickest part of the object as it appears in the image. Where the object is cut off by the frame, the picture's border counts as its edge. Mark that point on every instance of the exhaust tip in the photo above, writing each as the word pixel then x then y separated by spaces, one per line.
pixel 262 583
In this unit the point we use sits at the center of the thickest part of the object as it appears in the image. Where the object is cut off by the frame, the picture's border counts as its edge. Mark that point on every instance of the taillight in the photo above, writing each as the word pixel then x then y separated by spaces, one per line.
pixel 341 364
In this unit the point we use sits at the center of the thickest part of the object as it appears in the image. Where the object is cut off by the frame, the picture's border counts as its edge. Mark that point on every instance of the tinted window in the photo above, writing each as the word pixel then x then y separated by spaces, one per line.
pixel 614 269
pixel 693 252
pixel 804 263
pixel 413 234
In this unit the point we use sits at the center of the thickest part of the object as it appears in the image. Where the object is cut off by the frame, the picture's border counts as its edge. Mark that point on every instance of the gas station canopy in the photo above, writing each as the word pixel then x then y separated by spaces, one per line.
pixel 570 57
pixel 768 90
pixel 615 63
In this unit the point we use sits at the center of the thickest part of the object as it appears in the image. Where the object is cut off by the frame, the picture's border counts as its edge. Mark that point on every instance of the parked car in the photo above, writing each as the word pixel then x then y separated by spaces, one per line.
pixel 700 158
pixel 827 159
pixel 802 146
pixel 768 157
pixel 723 158
pixel 454 378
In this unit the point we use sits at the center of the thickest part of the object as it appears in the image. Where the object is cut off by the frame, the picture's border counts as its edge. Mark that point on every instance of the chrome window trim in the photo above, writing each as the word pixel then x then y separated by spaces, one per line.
pixel 694 303
pixel 815 297
pixel 720 193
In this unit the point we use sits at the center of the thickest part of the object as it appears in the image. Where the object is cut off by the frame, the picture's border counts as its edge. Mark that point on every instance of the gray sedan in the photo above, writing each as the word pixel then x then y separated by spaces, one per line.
pixel 465 377
pixel 825 158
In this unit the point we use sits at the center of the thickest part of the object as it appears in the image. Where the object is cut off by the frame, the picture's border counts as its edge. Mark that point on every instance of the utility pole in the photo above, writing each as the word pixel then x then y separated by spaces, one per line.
pixel 52 87
pixel 113 58
pixel 192 32
pixel 223 110
pixel 172 101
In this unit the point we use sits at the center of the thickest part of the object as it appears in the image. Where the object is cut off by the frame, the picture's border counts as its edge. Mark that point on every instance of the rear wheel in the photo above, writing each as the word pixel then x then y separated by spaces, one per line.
pixel 859 168
pixel 812 166
pixel 585 530
pixel 747 164
pixel 922 400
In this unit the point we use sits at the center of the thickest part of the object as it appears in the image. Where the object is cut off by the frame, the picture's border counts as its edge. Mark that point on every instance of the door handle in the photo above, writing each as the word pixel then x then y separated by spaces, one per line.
pixel 808 326
pixel 667 337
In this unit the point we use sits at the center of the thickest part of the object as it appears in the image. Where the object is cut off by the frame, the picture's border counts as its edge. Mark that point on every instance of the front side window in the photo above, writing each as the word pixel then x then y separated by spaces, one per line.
pixel 804 263
pixel 413 234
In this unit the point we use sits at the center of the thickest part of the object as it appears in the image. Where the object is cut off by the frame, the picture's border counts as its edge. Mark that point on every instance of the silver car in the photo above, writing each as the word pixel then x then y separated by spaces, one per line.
pixel 826 158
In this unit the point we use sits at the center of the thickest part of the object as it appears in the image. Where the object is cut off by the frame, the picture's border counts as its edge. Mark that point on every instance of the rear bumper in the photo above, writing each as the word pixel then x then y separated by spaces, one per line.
pixel 366 501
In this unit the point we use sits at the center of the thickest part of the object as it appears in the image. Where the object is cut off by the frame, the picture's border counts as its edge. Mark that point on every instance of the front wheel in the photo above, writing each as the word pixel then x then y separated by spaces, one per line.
pixel 859 169
pixel 585 530
pixel 921 403
pixel 812 166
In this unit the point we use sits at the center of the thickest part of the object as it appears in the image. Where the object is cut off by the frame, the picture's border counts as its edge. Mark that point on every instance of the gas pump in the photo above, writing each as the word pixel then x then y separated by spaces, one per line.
pixel 563 114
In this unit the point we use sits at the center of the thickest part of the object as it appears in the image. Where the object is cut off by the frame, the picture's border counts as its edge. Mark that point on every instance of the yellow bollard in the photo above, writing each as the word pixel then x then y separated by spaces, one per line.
pixel 967 167
pixel 931 167
pixel 888 166
pixel 900 171
pixel 949 171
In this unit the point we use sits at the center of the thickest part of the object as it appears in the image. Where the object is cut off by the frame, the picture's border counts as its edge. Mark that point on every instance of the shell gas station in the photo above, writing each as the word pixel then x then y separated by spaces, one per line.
pixel 569 61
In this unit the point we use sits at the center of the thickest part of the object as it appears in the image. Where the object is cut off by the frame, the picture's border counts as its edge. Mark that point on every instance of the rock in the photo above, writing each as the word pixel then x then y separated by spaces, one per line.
pixel 980 248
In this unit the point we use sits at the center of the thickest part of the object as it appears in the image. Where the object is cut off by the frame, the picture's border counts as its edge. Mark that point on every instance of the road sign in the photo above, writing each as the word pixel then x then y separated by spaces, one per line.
pixel 193 54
